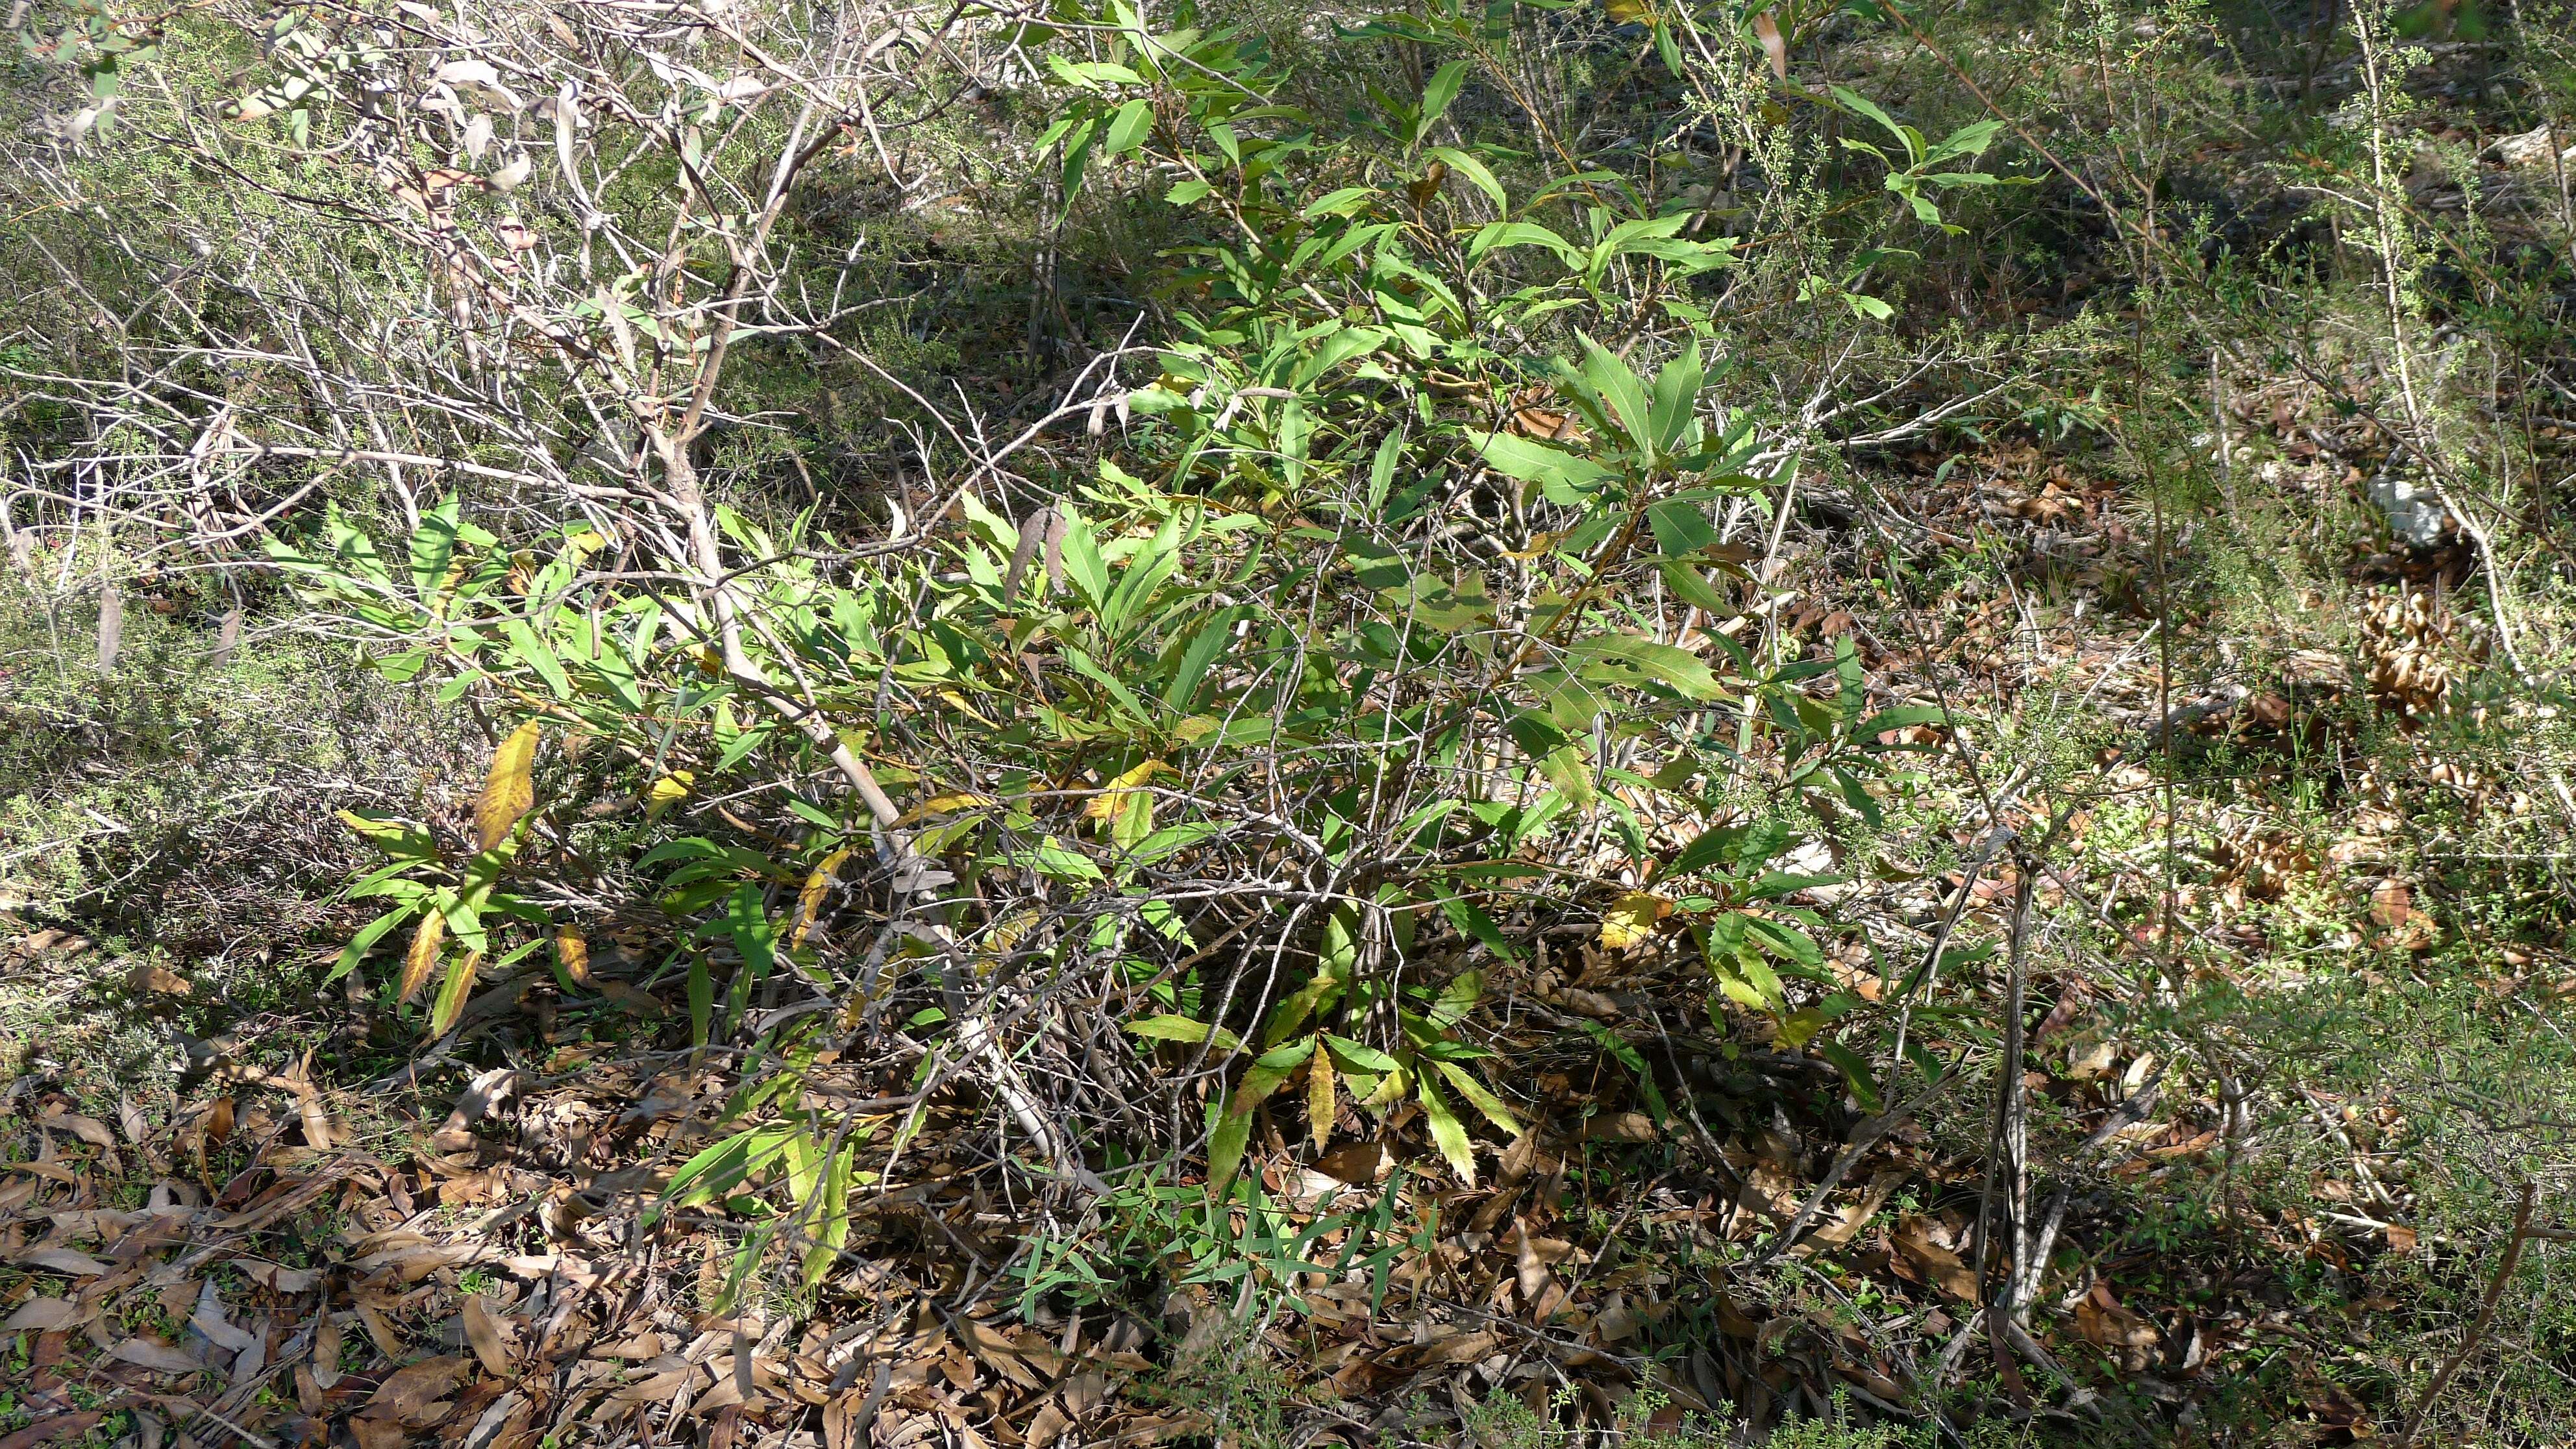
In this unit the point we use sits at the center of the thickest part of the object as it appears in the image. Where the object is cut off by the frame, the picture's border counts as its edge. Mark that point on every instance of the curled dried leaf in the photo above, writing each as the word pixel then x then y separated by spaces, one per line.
pixel 1775 46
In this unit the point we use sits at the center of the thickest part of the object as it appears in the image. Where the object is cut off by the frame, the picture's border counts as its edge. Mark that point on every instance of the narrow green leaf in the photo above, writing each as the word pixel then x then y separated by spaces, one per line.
pixel 1439 91
pixel 754 936
pixel 368 935
pixel 1496 235
pixel 433 545
pixel 702 1001
pixel 536 655
pixel 1481 1099
pixel 1225 1149
pixel 1362 1058
pixel 1475 171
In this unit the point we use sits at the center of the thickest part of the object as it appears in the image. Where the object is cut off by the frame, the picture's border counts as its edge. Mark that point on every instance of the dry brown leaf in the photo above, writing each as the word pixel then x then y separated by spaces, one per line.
pixel 2390 903
pixel 1355 1163
pixel 485 1333
pixel 278 1276
pixel 1856 1216
pixel 629 998
pixel 1028 1363
pixel 508 790
pixel 159 1357
pixel 209 1319
pixel 476 1102
pixel 846 1419
pixel 1533 1257
pixel 1047 1425
pixel 43 1314
pixel 68 1261
pixel 379 1332
pixel 409 1391
pixel 1775 46
pixel 88 1129
pixel 111 627
pixel 2106 1323
pixel 46 1430
pixel 1620 1127
pixel 326 1351
pixel 1460 1348
pixel 1938 1265
pixel 1159 1428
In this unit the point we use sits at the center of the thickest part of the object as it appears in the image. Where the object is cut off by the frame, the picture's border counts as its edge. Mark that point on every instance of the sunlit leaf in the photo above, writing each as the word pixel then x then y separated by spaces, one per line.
pixel 507 789
pixel 1631 919
pixel 1448 1133
pixel 423 955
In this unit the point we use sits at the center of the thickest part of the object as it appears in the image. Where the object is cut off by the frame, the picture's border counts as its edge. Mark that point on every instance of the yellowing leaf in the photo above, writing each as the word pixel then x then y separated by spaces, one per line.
pixel 1134 824
pixel 957 702
pixel 1800 1027
pixel 423 954
pixel 1632 918
pixel 574 953
pixel 451 997
pixel 1107 804
pixel 1448 1133
pixel 1319 1098
pixel 809 901
pixel 1006 935
pixel 947 805
pixel 382 831
pixel 1390 1090
pixel 666 792
pixel 507 790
